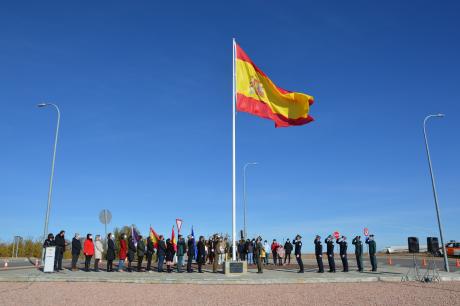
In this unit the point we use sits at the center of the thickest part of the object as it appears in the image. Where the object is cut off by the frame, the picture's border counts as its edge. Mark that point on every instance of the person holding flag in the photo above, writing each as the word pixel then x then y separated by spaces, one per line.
pixel 170 252
pixel 150 252
pixel 181 250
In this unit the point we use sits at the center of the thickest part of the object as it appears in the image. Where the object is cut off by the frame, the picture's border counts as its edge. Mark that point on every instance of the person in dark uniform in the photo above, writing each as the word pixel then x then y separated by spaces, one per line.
pixel 150 252
pixel 201 253
pixel 372 250
pixel 358 252
pixel 140 253
pixel 342 241
pixel 131 252
pixel 161 252
pixel 76 250
pixel 288 250
pixel 330 253
pixel 110 252
pixel 258 250
pixel 298 252
pixel 190 252
pixel 319 253
pixel 60 249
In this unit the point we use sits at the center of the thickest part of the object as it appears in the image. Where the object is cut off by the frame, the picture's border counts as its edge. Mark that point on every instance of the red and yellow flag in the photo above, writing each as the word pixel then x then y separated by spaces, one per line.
pixel 154 237
pixel 173 239
pixel 258 95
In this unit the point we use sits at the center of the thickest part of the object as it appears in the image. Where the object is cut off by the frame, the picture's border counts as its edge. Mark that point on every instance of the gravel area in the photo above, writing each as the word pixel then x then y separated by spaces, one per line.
pixel 378 293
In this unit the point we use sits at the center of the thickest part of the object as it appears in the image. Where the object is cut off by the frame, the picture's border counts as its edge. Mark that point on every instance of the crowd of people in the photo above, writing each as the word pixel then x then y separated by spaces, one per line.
pixel 214 251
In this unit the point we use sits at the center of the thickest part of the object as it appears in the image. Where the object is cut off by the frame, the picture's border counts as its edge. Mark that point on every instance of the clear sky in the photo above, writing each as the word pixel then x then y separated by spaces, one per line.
pixel 145 91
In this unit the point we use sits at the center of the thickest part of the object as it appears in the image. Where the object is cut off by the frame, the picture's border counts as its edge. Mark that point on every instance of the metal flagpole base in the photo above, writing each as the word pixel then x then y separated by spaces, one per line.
pixel 235 267
pixel 413 273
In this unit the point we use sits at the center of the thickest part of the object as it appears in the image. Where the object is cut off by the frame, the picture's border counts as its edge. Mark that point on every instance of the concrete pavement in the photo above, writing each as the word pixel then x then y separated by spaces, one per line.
pixel 275 275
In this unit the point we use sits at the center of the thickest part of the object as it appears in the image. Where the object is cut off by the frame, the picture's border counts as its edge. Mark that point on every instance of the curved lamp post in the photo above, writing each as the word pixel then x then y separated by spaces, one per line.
pixel 50 190
pixel 433 184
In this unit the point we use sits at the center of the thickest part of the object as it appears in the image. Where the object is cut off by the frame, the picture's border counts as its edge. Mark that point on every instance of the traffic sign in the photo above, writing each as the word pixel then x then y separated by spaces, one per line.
pixel 366 231
pixel 179 225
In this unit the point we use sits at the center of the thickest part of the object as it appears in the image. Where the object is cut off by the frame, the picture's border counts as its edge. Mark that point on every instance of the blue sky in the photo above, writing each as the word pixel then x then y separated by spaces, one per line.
pixel 145 94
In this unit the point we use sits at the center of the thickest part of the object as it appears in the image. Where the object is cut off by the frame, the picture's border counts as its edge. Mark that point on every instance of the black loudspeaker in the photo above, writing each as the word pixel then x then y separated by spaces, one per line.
pixel 432 245
pixel 413 245
pixel 241 234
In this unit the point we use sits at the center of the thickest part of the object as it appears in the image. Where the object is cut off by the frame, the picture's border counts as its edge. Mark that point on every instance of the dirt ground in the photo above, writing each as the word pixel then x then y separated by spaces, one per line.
pixel 376 293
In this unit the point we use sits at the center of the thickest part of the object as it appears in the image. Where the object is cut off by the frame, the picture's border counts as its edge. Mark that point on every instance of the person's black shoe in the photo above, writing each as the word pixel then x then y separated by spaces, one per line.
pixel 301 271
pixel 320 272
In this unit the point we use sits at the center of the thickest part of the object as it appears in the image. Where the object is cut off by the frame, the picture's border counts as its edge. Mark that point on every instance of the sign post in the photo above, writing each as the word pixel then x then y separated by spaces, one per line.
pixel 105 216
pixel 179 225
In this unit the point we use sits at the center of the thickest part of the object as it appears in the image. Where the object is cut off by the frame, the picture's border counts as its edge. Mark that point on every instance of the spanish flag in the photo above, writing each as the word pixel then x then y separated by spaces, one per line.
pixel 154 237
pixel 258 95
pixel 173 239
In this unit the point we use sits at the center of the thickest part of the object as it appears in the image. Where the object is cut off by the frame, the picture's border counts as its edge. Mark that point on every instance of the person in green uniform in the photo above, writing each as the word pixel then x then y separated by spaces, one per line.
pixel 358 252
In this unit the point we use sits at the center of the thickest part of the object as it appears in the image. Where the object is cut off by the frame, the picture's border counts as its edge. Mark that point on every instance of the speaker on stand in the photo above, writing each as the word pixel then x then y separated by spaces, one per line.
pixel 414 248
pixel 432 272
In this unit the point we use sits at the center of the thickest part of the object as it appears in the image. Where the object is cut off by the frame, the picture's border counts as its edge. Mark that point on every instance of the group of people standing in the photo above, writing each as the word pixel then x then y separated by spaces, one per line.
pixel 215 251
pixel 280 253
pixel 342 242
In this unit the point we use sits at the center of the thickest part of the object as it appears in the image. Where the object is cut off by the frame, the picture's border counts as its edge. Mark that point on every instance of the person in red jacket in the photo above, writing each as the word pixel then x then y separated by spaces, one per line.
pixel 274 248
pixel 122 253
pixel 88 250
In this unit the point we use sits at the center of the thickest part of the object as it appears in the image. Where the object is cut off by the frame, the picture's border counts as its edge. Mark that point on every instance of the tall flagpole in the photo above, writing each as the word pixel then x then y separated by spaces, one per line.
pixel 234 158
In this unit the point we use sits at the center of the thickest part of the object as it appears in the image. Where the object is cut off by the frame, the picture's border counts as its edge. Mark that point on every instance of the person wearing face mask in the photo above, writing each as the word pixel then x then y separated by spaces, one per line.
pixel 110 252
pixel 88 251
pixel 372 250
pixel 258 251
pixel 98 250
pixel 60 249
pixel 358 252
pixel 140 253
pixel 49 242
pixel 150 252
pixel 319 253
pixel 330 253
pixel 161 252
pixel 201 254
pixel 298 252
pixel 122 252
pixel 342 241
pixel 267 251
pixel 287 251
pixel 76 250
pixel 131 252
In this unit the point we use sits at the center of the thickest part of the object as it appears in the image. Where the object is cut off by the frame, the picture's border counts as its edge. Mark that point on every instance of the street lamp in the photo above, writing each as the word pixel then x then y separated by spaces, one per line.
pixel 433 184
pixel 244 196
pixel 50 191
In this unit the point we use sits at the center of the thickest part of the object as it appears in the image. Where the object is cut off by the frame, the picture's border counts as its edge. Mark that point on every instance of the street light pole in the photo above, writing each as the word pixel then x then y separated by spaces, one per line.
pixel 50 190
pixel 244 197
pixel 433 184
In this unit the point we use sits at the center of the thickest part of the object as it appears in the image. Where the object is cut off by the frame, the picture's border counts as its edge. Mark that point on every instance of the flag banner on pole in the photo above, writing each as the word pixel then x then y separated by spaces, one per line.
pixel 135 235
pixel 179 225
pixel 154 237
pixel 173 239
pixel 195 249
pixel 258 95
